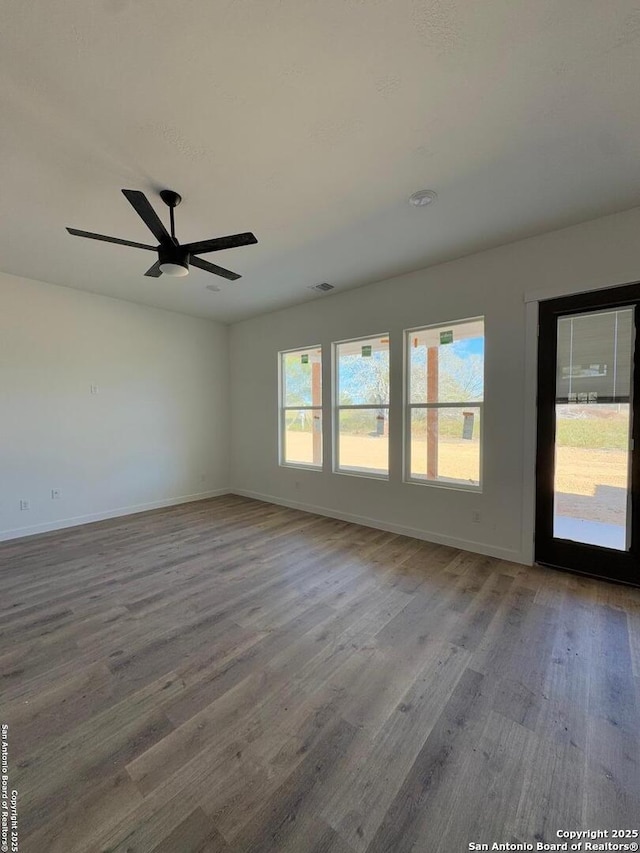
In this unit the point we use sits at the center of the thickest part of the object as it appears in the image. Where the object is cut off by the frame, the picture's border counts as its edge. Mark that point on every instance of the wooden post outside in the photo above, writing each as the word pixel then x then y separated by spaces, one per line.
pixel 316 400
pixel 432 414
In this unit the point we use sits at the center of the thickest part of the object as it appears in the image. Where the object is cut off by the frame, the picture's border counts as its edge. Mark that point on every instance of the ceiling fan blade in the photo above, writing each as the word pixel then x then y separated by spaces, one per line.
pixel 154 271
pixel 142 207
pixel 105 239
pixel 218 243
pixel 205 265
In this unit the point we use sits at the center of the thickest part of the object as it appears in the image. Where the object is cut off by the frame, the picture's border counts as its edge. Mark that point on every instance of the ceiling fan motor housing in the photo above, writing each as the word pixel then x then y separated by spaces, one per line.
pixel 173 255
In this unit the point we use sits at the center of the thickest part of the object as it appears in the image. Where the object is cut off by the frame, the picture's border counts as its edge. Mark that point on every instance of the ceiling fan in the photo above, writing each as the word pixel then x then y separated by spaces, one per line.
pixel 173 258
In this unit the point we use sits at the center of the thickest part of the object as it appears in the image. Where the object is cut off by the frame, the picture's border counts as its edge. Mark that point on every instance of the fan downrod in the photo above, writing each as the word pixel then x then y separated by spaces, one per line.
pixel 170 198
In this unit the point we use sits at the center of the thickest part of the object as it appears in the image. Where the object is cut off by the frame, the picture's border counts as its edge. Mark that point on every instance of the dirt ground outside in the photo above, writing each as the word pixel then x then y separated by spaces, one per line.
pixel 457 459
pixel 591 484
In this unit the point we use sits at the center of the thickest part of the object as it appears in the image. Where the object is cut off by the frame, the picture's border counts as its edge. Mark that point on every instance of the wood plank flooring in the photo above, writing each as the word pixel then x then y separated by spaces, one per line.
pixel 234 677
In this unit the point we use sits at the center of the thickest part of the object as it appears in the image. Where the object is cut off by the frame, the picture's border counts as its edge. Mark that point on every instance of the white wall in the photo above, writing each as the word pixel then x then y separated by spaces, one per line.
pixel 601 253
pixel 156 432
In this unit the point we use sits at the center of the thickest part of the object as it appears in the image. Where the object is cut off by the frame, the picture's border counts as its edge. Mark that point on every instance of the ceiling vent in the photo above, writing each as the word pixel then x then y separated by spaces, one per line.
pixel 323 287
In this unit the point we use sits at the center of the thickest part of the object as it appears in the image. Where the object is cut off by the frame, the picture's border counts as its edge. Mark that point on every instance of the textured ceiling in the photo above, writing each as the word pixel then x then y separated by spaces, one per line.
pixel 309 123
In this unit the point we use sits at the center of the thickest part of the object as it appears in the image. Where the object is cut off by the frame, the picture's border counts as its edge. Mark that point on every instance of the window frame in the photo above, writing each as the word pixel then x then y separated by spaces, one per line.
pixel 337 408
pixel 283 409
pixel 409 407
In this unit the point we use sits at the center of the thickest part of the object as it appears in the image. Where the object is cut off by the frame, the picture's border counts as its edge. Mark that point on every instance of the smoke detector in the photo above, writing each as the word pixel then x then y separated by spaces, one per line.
pixel 421 198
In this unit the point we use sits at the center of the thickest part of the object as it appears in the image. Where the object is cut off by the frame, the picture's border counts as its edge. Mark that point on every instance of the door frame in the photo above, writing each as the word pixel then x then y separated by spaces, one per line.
pixel 608 563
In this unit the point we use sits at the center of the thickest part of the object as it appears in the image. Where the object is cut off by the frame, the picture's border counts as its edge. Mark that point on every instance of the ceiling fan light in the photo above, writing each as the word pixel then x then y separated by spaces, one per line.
pixel 175 270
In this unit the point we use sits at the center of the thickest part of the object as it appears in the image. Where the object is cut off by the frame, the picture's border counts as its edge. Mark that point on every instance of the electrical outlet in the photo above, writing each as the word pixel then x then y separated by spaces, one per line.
pixel 25 504
pixel 93 389
pixel 55 494
pixel 475 517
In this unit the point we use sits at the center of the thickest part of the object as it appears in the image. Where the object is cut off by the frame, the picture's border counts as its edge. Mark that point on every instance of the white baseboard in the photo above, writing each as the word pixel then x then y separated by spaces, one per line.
pixel 510 554
pixel 62 523
pixel 427 535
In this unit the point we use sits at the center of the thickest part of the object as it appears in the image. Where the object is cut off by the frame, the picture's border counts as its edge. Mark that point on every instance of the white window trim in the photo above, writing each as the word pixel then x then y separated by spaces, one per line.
pixel 337 408
pixel 282 412
pixel 409 406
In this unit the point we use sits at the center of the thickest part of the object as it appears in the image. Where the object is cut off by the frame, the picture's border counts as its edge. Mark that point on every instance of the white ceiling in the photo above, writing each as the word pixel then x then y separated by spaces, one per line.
pixel 309 123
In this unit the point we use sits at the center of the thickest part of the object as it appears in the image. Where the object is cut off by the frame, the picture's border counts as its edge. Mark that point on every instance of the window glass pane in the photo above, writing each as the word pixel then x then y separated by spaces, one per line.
pixel 363 372
pixel 363 440
pixel 302 377
pixel 593 428
pixel 446 364
pixel 303 437
pixel 445 445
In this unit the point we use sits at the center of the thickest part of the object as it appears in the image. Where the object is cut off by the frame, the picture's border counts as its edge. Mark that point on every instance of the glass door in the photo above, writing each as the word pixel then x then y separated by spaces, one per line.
pixel 586 468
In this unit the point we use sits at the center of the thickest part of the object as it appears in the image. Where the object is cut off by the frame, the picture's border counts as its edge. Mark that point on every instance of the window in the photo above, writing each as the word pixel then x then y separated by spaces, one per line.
pixel 445 394
pixel 301 407
pixel 362 406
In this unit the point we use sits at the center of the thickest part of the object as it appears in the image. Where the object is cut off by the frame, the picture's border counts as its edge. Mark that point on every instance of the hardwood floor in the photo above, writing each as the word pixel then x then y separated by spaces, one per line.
pixel 235 677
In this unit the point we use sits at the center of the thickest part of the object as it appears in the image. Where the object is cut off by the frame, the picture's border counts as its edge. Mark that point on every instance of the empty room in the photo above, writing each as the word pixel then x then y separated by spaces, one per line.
pixel 319 426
